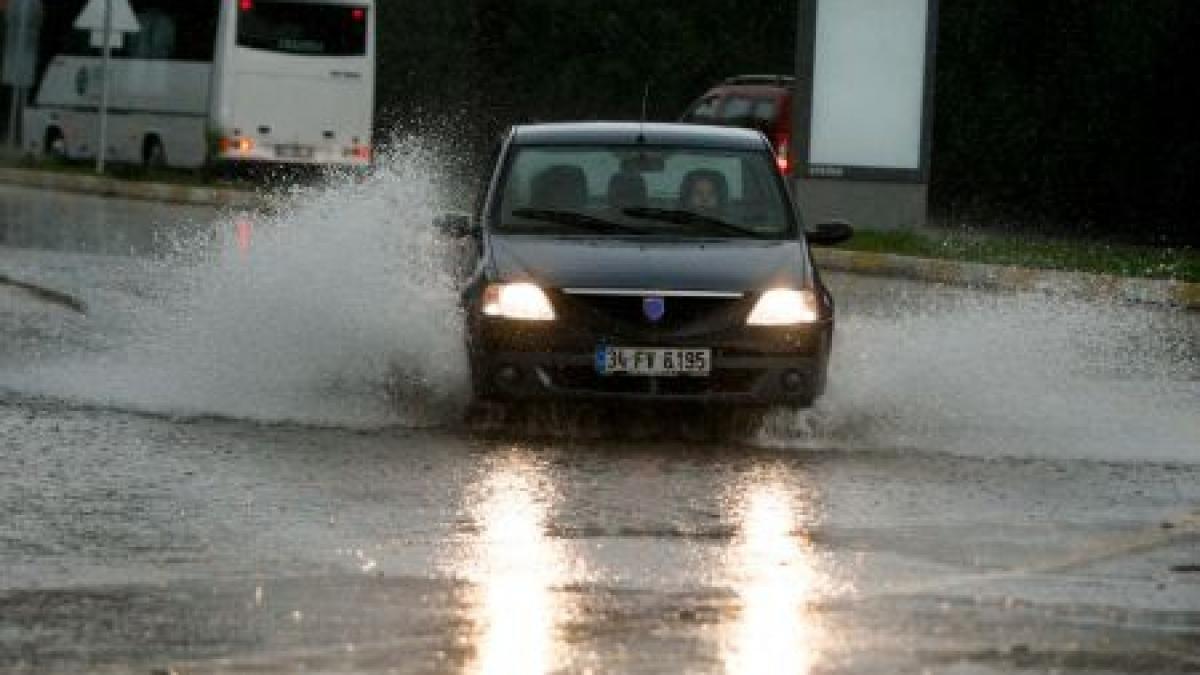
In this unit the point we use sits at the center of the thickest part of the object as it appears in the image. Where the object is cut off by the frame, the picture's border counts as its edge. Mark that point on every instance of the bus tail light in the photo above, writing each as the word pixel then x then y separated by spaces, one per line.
pixel 356 151
pixel 246 5
pixel 237 144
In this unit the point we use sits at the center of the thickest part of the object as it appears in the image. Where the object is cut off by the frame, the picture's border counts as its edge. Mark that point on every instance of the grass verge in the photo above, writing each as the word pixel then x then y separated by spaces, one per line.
pixel 1179 263
pixel 127 172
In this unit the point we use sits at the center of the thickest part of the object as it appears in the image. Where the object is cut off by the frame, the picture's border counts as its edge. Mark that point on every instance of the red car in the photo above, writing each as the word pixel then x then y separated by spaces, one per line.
pixel 762 102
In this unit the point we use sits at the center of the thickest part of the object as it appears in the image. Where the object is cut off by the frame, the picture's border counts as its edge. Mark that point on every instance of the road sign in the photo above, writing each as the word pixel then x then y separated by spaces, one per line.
pixel 109 21
pixel 121 21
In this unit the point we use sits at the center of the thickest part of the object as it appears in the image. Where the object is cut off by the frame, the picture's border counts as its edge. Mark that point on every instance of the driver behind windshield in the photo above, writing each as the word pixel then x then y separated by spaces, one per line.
pixel 704 192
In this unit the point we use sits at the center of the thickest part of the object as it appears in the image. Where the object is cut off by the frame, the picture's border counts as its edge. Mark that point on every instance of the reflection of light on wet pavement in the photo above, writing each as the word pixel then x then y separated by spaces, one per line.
pixel 243 232
pixel 774 574
pixel 515 566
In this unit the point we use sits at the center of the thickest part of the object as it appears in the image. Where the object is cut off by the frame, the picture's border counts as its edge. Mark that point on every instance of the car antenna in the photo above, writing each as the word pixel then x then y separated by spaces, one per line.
pixel 641 137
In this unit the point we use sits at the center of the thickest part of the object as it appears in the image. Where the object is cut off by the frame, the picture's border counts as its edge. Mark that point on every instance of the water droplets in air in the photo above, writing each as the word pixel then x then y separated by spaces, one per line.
pixel 1009 375
pixel 335 307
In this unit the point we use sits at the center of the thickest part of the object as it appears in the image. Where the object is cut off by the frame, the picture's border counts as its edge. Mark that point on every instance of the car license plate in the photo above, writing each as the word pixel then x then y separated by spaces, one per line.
pixel 653 361
pixel 294 151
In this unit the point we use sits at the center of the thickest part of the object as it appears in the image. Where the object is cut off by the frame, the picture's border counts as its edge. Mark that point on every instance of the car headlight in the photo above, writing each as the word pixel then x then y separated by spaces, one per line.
pixel 784 307
pixel 517 301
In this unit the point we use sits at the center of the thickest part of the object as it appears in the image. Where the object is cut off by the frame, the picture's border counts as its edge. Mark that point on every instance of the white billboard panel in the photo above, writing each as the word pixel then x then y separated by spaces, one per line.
pixel 868 86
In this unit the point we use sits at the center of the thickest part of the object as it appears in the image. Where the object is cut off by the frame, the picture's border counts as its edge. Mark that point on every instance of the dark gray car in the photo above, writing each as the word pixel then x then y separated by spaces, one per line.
pixel 644 261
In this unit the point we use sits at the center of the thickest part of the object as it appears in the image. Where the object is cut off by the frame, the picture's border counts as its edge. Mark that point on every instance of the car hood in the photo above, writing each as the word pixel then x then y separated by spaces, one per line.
pixel 717 265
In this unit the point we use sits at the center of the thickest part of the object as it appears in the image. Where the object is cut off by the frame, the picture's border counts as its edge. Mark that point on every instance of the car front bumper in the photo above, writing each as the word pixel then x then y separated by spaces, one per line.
pixel 512 361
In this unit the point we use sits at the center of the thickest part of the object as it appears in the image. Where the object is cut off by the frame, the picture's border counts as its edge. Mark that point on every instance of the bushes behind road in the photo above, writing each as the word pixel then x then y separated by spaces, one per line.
pixel 1069 113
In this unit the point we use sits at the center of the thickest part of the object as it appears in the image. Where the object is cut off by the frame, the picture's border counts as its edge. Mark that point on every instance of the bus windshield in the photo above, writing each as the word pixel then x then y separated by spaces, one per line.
pixel 302 28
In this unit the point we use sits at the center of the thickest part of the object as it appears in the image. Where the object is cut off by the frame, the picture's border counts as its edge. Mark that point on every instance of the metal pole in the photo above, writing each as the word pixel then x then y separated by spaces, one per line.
pixel 14 117
pixel 107 51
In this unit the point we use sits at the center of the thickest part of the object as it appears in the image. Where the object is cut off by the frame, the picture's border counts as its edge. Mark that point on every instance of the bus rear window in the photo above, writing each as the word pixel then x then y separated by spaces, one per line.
pixel 302 28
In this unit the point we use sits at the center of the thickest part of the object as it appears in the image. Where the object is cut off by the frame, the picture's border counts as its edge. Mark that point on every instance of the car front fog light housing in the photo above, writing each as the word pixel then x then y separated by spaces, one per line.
pixel 523 301
pixel 784 307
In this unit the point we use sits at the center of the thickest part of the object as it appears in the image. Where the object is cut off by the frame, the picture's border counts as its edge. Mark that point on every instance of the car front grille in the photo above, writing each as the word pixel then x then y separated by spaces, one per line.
pixel 626 315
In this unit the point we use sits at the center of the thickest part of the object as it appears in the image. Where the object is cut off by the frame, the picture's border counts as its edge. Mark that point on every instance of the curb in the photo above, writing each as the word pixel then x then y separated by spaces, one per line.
pixel 46 294
pixel 980 275
pixel 112 187
pixel 1083 285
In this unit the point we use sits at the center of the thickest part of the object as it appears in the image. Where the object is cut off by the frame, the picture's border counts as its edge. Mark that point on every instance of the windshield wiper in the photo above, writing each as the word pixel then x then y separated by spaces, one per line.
pixel 682 217
pixel 576 219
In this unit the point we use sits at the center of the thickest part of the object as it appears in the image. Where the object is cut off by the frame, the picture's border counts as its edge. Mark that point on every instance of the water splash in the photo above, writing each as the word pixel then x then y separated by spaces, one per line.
pixel 341 311
pixel 337 308
pixel 994 375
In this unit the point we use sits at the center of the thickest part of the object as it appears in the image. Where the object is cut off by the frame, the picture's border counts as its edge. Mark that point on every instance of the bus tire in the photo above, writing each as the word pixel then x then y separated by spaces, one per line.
pixel 154 155
pixel 54 146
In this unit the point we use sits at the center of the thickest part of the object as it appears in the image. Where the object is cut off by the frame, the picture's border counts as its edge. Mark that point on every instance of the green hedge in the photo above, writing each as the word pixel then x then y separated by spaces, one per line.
pixel 1066 114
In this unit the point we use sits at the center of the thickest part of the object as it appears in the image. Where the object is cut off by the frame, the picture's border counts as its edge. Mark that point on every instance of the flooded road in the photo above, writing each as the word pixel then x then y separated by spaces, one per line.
pixel 217 469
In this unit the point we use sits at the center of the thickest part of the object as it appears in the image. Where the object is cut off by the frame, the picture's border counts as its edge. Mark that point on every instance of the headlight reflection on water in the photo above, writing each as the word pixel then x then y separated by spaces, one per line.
pixel 516 568
pixel 775 576
pixel 518 612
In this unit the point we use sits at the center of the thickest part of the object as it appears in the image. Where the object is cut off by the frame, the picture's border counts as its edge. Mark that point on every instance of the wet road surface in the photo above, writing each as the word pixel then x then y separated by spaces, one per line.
pixel 994 485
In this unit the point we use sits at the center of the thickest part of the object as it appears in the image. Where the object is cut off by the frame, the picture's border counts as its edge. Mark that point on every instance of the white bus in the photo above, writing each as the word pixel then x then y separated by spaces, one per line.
pixel 212 81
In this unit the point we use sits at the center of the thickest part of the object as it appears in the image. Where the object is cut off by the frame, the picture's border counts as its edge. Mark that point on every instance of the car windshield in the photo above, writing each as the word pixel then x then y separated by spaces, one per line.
pixel 644 191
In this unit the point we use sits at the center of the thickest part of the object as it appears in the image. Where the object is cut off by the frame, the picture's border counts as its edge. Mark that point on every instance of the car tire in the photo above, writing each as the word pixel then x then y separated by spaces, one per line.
pixel 488 417
pixel 154 155
pixel 54 146
pixel 740 423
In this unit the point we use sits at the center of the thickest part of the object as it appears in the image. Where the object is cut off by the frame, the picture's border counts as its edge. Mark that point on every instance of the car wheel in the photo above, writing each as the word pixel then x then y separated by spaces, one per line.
pixel 154 155
pixel 740 423
pixel 55 146
pixel 488 417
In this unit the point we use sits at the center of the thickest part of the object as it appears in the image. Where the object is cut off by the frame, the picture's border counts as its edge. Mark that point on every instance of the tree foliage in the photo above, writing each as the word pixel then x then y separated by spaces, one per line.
pixel 1070 113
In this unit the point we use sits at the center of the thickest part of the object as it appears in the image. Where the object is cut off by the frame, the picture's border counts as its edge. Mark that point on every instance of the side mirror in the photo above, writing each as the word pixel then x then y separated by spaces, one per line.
pixel 455 225
pixel 828 234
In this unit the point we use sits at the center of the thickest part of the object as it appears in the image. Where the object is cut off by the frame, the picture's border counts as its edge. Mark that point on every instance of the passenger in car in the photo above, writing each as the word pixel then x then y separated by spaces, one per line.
pixel 704 191
pixel 562 187
pixel 626 190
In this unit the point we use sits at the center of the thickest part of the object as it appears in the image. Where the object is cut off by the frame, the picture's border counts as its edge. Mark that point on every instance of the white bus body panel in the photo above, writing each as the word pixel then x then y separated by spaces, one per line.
pixel 147 98
pixel 285 102
pixel 292 108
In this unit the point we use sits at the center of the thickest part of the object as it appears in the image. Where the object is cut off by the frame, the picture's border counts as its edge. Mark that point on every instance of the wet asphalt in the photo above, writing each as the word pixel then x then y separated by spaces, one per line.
pixel 146 539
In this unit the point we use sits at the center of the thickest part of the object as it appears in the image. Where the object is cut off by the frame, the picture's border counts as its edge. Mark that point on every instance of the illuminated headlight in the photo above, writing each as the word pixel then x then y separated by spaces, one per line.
pixel 784 307
pixel 517 301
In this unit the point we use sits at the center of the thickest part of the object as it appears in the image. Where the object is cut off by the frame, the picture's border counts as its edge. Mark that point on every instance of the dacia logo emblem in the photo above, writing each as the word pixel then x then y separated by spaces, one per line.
pixel 654 307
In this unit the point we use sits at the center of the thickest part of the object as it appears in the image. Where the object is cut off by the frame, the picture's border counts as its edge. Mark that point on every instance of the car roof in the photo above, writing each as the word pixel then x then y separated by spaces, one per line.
pixel 635 133
pixel 750 90
pixel 777 80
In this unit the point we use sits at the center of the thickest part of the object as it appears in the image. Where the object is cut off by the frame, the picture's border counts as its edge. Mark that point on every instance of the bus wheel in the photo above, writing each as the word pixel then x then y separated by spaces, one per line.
pixel 154 156
pixel 55 146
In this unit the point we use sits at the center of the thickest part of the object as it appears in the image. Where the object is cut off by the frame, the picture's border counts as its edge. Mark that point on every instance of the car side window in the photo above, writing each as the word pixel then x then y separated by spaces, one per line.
pixel 749 112
pixel 736 108
pixel 764 109
pixel 704 110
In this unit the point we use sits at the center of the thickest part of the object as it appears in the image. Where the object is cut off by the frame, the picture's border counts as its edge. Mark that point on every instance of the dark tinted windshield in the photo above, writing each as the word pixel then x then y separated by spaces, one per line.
pixel 302 27
pixel 632 191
